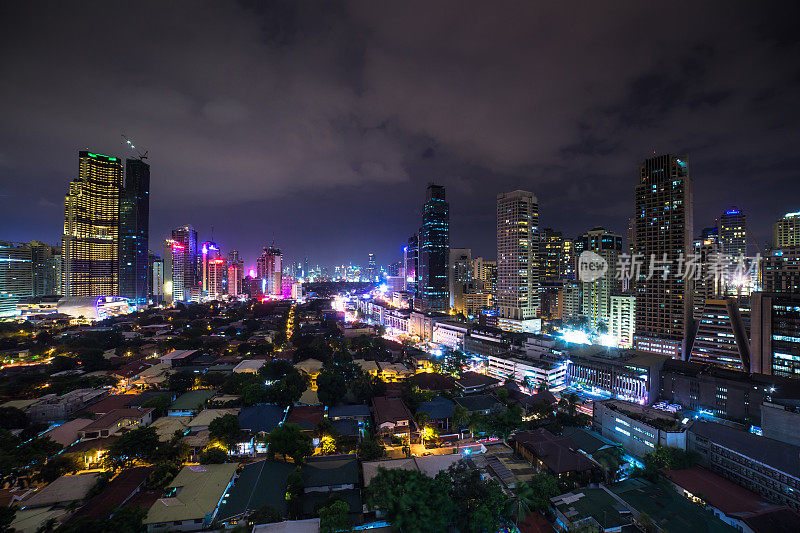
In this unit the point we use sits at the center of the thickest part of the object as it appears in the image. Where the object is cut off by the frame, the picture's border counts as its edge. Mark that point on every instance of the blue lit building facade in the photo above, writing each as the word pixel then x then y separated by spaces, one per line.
pixel 434 251
pixel 134 231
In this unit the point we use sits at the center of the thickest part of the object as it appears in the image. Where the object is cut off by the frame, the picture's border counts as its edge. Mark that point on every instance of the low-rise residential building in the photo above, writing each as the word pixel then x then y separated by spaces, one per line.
pixel 249 366
pixel 392 417
pixel 595 509
pixel 190 403
pixel 473 382
pixel 480 403
pixel 192 500
pixel 259 484
pixel 206 416
pixel 638 428
pixel 179 358
pixel 765 466
pixel 332 476
pixel 52 407
pixel 440 411
pixel 116 422
pixel 394 371
pixel 558 456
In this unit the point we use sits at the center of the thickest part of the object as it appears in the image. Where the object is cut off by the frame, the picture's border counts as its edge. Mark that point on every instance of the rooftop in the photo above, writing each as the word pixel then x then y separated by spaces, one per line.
pixel 260 483
pixel 469 380
pixel 67 433
pixel 596 503
pixel 63 490
pixel 438 407
pixel 430 465
pixel 115 493
pixel 349 411
pixel 206 416
pixel 669 510
pixel 777 454
pixel 432 381
pixel 192 400
pixel 198 489
pixel 330 470
pixel 558 453
pixel 112 418
pixel 479 402
pixel 389 410
pixel 306 416
pixel 261 418
pixel 727 496
pixel 177 355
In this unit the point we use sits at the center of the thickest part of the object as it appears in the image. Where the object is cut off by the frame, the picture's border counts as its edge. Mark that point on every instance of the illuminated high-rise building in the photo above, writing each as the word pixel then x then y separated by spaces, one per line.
pixel 733 241
pixel 16 275
pixel 664 228
pixel 434 251
pixel 90 243
pixel 155 278
pixel 786 231
pixel 268 269
pixel 236 273
pixel 46 260
pixel 134 231
pixel 459 277
pixel 568 260
pixel 370 271
pixel 707 286
pixel 410 263
pixel 517 248
pixel 551 249
pixel 186 282
pixel 213 270
pixel 596 295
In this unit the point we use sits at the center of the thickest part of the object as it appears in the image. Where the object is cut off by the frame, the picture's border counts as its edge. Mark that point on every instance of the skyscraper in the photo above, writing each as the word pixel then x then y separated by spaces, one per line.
pixel 90 244
pixel 551 249
pixel 707 286
pixel 370 271
pixel 597 294
pixel 786 231
pixel 664 229
pixel 213 270
pixel 517 246
pixel 410 262
pixel 459 277
pixel 733 240
pixel 134 231
pixel 46 261
pixel 155 278
pixel 186 283
pixel 236 273
pixel 16 275
pixel 268 269
pixel 434 251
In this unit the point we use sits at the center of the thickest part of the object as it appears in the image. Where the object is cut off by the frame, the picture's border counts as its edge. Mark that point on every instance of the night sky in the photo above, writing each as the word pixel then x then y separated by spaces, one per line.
pixel 319 124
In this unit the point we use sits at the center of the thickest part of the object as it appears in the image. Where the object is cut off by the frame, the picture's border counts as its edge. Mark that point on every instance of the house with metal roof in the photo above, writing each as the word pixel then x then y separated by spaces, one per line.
pixel 440 410
pixel 259 484
pixel 193 499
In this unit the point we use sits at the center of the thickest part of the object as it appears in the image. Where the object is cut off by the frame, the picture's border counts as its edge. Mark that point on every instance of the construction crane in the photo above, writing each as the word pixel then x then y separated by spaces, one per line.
pixel 129 143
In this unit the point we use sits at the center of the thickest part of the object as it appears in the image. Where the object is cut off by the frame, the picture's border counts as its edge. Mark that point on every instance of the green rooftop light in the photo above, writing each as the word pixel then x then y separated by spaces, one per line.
pixel 101 155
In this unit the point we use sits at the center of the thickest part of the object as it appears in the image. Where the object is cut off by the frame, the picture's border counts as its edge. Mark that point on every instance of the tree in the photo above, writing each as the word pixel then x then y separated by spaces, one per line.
pixel 331 387
pixel 288 441
pixel 328 445
pixel 57 467
pixel 181 381
pixel 294 492
pixel 413 501
pixel 333 518
pixel 13 418
pixel 159 404
pixel 139 444
pixel 502 394
pixel 7 514
pixel 611 461
pixel 265 515
pixel 481 503
pixel 213 456
pixel 225 429
pixel 370 449
pixel 461 417
pixel 542 487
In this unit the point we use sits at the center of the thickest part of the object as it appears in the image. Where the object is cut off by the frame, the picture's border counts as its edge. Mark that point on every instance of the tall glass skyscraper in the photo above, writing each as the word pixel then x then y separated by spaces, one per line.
pixel 185 265
pixel 434 252
pixel 664 229
pixel 90 244
pixel 134 231
pixel 269 270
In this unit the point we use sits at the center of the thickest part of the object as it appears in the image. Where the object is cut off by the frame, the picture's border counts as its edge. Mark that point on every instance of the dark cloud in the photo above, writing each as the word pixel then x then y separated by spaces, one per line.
pixel 320 123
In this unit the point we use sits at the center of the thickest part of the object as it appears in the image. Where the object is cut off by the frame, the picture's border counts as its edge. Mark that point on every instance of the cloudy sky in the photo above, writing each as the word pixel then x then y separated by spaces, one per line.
pixel 319 124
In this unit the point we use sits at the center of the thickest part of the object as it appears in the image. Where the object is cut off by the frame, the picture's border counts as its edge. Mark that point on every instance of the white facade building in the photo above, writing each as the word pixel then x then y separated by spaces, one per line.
pixel 622 319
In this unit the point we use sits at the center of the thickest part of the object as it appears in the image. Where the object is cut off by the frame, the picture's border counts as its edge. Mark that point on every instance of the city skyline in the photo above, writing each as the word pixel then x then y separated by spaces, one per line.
pixel 704 91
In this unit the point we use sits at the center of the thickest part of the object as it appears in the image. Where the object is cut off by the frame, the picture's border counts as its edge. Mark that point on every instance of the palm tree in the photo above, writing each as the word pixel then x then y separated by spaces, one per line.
pixel 611 461
pixel 572 403
pixel 523 502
